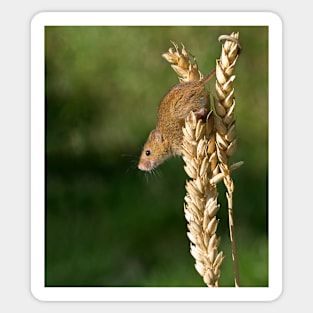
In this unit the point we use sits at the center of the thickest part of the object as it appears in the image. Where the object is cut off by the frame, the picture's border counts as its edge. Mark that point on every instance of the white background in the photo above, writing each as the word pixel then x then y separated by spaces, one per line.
pixel 15 154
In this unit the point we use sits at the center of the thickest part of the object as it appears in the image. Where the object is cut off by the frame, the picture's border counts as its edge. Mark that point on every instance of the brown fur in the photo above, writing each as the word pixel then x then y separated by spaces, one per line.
pixel 166 139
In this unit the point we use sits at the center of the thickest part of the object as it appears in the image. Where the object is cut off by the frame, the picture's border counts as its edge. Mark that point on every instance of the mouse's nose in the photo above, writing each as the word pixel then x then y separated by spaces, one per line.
pixel 145 165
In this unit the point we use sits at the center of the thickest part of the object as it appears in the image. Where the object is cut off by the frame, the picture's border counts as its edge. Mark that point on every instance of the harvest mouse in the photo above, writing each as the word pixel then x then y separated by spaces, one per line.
pixel 166 139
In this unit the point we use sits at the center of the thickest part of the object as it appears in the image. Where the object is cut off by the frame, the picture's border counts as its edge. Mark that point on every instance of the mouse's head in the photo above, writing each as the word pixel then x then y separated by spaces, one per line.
pixel 155 151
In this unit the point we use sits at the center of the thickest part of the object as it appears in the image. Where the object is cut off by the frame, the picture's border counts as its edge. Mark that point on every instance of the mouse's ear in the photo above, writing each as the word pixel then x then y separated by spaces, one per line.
pixel 156 135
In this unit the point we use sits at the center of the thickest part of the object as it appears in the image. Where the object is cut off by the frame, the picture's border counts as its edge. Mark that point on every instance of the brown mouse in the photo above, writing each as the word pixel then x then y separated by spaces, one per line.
pixel 166 139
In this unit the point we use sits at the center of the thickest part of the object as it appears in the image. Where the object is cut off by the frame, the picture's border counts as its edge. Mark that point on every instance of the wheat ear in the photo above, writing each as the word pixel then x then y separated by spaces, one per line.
pixel 201 166
pixel 201 199
pixel 182 64
pixel 225 126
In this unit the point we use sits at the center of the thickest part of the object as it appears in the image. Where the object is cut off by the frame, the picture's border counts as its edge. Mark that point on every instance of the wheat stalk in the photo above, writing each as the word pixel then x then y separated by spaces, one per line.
pixel 225 126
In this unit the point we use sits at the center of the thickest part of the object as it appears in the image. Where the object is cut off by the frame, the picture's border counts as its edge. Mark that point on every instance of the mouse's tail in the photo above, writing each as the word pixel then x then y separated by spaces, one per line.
pixel 208 76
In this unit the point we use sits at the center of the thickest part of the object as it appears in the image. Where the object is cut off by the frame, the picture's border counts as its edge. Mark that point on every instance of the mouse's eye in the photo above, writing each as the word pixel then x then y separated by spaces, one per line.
pixel 148 152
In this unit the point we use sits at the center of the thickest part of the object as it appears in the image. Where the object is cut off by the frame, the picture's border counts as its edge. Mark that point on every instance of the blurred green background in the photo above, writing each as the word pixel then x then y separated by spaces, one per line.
pixel 107 223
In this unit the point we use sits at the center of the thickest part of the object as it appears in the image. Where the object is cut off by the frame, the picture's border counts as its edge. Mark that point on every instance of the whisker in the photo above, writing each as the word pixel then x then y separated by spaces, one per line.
pixel 132 162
